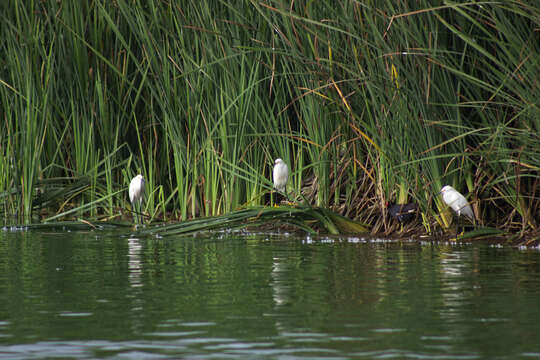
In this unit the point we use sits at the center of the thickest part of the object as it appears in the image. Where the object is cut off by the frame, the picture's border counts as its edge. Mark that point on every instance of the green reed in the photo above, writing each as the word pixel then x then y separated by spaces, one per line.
pixel 366 101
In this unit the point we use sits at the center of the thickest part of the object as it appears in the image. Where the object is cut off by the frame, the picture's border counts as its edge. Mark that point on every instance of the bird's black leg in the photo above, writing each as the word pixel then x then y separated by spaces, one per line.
pixel 133 212
pixel 286 195
pixel 459 224
pixel 136 208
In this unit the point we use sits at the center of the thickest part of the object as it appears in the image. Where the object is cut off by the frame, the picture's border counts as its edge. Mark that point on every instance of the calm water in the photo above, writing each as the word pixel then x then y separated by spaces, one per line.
pixel 234 296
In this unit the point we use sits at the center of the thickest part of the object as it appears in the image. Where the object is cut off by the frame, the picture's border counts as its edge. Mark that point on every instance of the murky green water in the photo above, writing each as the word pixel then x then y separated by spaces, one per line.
pixel 105 295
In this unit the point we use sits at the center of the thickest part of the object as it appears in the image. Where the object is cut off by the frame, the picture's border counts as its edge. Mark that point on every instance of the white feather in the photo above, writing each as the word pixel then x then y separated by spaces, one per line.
pixel 457 202
pixel 280 175
pixel 136 189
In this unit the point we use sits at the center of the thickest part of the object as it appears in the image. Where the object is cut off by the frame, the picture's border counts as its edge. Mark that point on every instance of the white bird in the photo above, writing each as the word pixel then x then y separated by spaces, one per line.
pixel 136 192
pixel 457 202
pixel 281 175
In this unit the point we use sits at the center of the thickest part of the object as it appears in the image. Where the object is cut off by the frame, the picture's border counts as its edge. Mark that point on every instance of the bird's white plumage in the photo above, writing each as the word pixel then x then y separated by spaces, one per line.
pixel 457 202
pixel 136 189
pixel 280 175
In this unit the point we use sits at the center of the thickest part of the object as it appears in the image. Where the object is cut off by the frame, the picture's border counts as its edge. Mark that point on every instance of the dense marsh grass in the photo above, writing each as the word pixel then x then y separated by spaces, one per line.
pixel 366 101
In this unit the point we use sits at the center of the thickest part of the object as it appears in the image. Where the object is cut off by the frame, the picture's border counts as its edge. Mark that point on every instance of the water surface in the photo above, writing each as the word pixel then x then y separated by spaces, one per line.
pixel 263 296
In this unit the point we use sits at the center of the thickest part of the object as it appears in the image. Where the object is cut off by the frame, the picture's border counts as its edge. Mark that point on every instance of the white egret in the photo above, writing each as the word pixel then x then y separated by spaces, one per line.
pixel 457 202
pixel 136 192
pixel 281 175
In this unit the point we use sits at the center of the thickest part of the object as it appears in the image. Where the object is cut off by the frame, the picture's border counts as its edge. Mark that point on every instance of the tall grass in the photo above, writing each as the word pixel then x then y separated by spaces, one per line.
pixel 366 101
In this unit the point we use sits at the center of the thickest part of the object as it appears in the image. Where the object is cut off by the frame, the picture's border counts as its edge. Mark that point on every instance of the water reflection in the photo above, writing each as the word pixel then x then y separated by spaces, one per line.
pixel 279 281
pixel 264 297
pixel 134 274
pixel 134 262
pixel 455 293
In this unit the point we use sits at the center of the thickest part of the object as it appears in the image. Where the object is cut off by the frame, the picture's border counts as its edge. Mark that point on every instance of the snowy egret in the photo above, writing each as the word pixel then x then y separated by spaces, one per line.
pixel 402 212
pixel 281 175
pixel 136 192
pixel 457 202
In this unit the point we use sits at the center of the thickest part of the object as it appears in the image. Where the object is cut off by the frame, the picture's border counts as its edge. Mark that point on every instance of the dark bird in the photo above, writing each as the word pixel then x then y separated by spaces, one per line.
pixel 402 212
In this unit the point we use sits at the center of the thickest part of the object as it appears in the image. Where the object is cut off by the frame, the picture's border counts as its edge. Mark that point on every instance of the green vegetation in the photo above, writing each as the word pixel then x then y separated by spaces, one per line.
pixel 367 101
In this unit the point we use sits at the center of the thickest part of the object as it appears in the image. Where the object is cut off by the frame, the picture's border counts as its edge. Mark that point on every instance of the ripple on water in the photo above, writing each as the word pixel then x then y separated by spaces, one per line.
pixel 264 297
